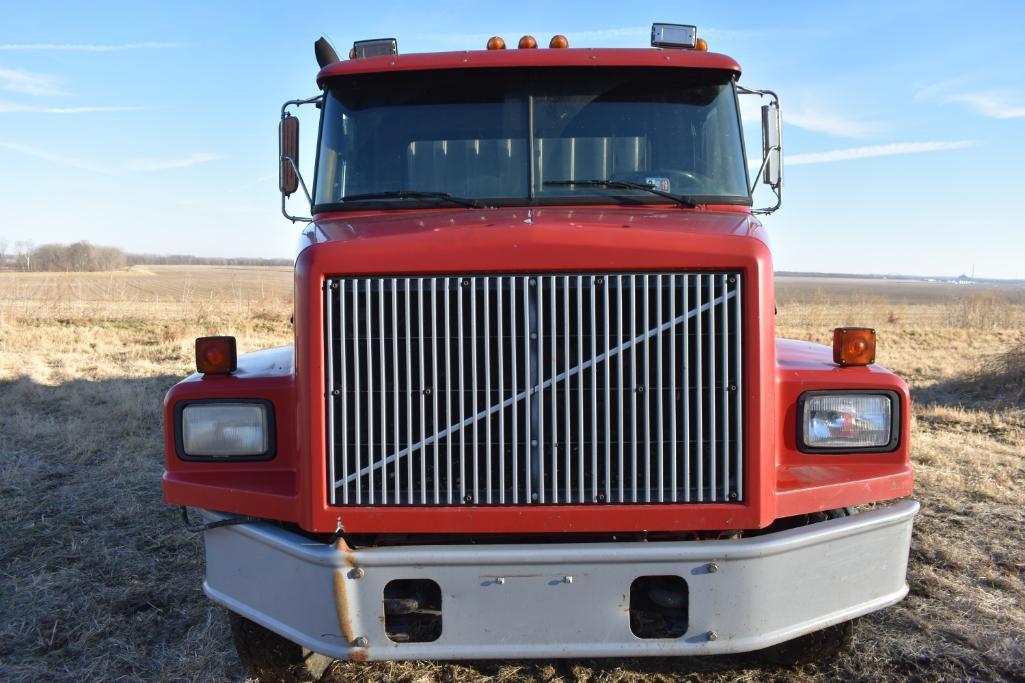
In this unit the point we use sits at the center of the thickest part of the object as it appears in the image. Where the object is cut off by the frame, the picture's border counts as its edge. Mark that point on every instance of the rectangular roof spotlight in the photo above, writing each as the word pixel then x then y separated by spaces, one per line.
pixel 674 35
pixel 377 47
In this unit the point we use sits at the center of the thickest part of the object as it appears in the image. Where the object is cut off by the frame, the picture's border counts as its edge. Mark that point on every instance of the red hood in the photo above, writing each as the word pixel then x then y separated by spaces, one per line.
pixel 393 224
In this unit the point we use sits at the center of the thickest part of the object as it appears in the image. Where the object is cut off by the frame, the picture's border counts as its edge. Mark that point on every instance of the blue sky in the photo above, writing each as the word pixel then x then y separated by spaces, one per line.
pixel 153 127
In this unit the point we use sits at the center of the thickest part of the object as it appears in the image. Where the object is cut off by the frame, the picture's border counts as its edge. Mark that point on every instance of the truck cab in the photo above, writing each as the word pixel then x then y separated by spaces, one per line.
pixel 536 406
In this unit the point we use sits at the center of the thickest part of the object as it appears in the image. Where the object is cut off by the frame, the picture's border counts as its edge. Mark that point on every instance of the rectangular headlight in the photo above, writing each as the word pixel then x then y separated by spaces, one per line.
pixel 225 430
pixel 849 421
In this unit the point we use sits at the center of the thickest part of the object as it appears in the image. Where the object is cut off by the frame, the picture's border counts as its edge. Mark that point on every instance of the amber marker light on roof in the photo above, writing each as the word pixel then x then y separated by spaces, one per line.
pixel 216 355
pixel 496 43
pixel 854 346
pixel 559 41
pixel 701 45
pixel 527 43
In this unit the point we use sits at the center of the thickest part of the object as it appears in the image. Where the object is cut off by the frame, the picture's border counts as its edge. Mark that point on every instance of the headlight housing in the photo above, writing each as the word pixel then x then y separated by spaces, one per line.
pixel 848 421
pixel 229 429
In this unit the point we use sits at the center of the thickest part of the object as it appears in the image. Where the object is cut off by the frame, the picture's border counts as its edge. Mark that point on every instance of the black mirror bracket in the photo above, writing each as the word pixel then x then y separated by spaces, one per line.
pixel 317 100
pixel 772 144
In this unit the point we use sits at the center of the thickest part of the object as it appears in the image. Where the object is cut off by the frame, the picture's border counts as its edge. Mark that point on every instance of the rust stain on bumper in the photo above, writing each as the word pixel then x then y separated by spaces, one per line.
pixel 342 606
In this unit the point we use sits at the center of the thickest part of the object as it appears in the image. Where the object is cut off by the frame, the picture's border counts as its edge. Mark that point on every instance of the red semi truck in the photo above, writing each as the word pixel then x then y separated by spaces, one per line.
pixel 536 406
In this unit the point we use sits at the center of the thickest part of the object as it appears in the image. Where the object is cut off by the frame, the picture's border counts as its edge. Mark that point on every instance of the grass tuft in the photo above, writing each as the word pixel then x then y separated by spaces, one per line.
pixel 1007 369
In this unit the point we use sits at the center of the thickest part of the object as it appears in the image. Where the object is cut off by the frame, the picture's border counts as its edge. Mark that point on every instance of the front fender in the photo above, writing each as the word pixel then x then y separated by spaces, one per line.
pixel 264 489
pixel 807 482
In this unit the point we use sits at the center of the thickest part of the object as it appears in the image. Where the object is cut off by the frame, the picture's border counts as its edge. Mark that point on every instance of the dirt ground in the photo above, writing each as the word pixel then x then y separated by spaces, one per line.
pixel 100 581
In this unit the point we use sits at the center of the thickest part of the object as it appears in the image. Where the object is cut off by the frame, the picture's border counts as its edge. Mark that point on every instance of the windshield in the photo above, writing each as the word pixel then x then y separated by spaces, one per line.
pixel 517 136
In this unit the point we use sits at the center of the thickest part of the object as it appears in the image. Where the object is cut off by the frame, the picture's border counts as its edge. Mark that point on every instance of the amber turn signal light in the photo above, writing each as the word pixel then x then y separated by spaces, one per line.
pixel 496 43
pixel 701 45
pixel 559 41
pixel 854 346
pixel 216 355
pixel 527 43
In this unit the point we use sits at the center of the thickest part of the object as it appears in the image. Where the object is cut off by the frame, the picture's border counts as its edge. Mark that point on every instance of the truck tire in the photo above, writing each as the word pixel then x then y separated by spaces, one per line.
pixel 816 646
pixel 269 657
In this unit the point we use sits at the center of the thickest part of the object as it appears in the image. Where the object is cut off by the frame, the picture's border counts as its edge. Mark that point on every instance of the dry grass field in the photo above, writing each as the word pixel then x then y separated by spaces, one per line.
pixel 99 580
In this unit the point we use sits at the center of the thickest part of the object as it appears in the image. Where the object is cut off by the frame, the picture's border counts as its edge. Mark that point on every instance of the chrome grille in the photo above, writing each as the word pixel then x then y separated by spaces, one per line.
pixel 534 389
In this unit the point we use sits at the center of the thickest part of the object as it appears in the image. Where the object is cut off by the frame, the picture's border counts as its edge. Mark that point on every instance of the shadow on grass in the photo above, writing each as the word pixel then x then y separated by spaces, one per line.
pixel 99 581
pixel 987 388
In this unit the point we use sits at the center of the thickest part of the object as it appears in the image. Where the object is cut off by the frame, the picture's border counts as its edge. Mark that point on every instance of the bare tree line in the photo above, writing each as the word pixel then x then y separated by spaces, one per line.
pixel 186 260
pixel 85 257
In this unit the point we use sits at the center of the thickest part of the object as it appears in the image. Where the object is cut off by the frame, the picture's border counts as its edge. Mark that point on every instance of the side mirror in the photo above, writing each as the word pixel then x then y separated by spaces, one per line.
pixel 772 151
pixel 288 155
pixel 771 169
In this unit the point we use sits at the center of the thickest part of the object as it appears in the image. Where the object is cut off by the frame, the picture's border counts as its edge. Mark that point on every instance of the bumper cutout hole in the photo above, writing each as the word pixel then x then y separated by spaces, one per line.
pixel 412 611
pixel 659 606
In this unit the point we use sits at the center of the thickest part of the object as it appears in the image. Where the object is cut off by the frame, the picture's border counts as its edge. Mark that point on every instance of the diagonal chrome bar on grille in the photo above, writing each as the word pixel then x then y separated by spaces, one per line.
pixel 524 395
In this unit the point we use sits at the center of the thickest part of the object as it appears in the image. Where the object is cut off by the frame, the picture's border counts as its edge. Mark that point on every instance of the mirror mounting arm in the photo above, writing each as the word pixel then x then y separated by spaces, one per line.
pixel 771 124
pixel 302 183
pixel 291 160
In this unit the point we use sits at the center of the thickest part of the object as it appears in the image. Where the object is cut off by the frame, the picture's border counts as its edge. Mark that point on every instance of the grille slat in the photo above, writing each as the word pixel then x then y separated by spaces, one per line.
pixel 534 389
pixel 699 378
pixel 686 390
pixel 329 305
pixel 659 398
pixel 501 393
pixel 553 396
pixel 357 394
pixel 541 445
pixel 724 390
pixel 528 388
pixel 711 403
pixel 567 391
pixel 672 394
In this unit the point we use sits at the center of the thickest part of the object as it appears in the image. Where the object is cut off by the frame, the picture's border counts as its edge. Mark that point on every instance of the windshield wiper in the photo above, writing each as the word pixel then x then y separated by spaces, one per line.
pixel 627 185
pixel 414 194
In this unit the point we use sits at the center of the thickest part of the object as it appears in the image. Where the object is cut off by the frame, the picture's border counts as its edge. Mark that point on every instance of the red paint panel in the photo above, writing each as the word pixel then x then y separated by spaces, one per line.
pixel 470 59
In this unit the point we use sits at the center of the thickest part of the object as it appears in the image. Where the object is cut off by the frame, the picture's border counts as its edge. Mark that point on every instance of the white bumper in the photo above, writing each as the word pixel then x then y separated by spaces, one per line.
pixel 761 590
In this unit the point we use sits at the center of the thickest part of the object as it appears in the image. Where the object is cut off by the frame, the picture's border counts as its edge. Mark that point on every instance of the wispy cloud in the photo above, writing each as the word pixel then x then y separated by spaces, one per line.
pixel 165 164
pixel 29 83
pixel 595 37
pixel 971 90
pixel 256 181
pixel 995 104
pixel 133 165
pixel 88 47
pixel 874 151
pixel 17 108
pixel 811 116
pixel 61 159
pixel 829 123
pixel 939 89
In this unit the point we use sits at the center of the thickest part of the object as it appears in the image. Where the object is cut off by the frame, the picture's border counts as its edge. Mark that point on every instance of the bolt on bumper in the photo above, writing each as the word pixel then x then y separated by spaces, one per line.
pixel 564 600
